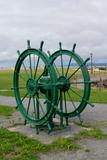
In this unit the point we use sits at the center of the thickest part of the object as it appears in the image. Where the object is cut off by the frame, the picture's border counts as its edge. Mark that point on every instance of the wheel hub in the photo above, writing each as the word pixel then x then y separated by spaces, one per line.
pixel 63 83
pixel 31 86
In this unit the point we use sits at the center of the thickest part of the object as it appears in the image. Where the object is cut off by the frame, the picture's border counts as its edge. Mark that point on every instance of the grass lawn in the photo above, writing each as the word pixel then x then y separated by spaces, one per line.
pixel 6 83
pixel 98 96
pixel 15 146
pixel 6 110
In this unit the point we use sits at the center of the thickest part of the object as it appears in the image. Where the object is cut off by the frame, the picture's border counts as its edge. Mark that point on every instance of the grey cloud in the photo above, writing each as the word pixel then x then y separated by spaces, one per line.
pixel 70 21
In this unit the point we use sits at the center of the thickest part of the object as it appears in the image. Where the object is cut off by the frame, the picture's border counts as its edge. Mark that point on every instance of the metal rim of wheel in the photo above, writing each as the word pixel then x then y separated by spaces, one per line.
pixel 35 106
pixel 66 90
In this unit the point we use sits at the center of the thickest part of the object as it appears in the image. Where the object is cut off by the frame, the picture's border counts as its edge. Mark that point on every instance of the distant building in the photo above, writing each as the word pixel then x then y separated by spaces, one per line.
pixel 100 68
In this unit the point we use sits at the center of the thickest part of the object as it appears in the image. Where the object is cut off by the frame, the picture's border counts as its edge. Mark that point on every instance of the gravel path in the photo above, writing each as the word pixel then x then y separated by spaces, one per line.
pixel 97 150
pixel 9 101
pixel 97 113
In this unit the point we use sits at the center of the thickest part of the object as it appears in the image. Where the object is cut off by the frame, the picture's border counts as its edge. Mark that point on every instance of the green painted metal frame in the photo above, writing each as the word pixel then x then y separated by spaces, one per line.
pixel 19 99
pixel 54 88
pixel 87 87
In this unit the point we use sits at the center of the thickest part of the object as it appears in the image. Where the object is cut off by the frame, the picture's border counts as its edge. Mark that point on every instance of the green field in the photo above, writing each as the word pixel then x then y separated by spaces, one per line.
pixel 7 112
pixel 6 82
pixel 6 85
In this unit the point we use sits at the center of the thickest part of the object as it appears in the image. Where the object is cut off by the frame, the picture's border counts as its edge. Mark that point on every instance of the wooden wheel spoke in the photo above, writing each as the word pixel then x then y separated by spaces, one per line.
pixel 61 101
pixel 65 102
pixel 30 66
pixel 80 82
pixel 56 69
pixel 72 101
pixel 35 111
pixel 23 64
pixel 81 65
pixel 75 92
pixel 62 65
pixel 19 88
pixel 37 105
pixel 35 74
pixel 38 100
pixel 20 76
pixel 23 99
pixel 28 106
pixel 68 66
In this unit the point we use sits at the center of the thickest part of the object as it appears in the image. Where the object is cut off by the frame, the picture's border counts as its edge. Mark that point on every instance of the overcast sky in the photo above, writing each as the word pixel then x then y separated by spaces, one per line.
pixel 70 21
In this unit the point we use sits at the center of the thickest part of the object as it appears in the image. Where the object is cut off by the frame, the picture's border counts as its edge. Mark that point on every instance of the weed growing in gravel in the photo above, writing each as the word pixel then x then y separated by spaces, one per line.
pixel 61 144
pixel 15 146
pixel 92 133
